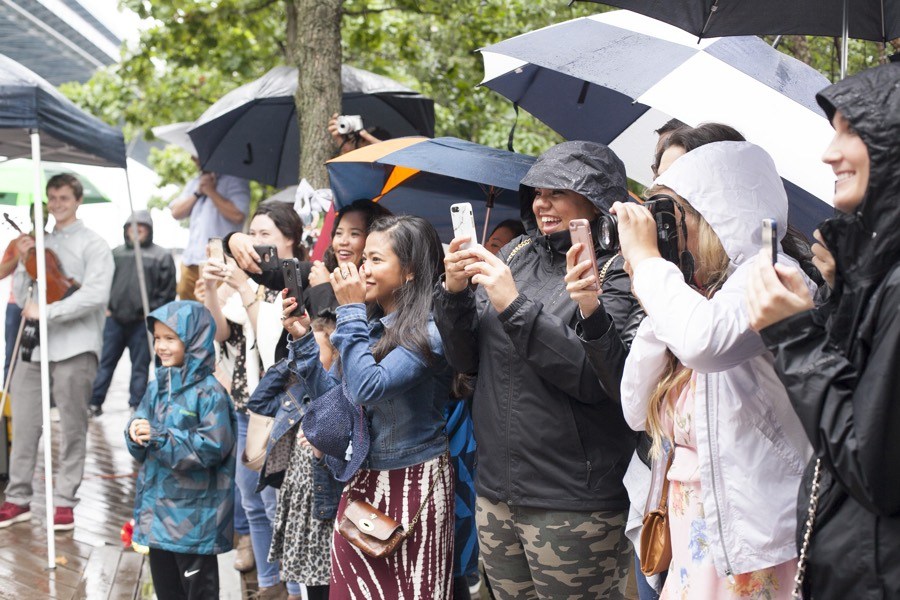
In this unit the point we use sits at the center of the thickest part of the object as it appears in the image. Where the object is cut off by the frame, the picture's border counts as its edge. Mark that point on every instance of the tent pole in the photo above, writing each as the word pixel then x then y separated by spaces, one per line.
pixel 845 36
pixel 44 342
pixel 138 258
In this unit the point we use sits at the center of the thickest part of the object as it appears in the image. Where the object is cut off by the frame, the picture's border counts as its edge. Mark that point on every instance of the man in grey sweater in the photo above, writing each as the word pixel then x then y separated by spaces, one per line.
pixel 75 328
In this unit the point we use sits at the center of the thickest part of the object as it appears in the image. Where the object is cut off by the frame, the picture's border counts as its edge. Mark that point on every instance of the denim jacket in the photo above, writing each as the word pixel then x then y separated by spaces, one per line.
pixel 288 408
pixel 404 397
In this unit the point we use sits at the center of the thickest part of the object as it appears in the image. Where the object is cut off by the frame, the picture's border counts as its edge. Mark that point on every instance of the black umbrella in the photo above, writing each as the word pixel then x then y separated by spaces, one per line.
pixel 874 20
pixel 251 132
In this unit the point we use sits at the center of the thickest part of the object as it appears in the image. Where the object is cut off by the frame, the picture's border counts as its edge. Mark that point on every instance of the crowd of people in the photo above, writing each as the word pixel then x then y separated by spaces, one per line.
pixel 422 409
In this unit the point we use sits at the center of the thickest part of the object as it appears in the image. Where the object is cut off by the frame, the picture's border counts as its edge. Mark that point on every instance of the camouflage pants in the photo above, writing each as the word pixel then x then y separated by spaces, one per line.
pixel 536 553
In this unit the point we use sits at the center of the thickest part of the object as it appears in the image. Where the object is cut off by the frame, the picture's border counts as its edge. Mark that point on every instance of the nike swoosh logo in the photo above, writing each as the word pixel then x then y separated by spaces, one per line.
pixel 191 573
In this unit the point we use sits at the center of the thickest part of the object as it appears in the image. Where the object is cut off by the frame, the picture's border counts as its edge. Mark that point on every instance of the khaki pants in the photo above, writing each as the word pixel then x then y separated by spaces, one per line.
pixel 189 276
pixel 534 553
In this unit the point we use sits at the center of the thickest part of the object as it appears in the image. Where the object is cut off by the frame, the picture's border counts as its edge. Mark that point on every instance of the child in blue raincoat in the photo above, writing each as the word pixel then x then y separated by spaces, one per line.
pixel 183 434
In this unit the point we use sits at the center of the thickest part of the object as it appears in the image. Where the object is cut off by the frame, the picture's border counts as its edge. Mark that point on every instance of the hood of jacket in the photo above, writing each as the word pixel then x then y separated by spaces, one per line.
pixel 734 186
pixel 588 168
pixel 196 329
pixel 866 244
pixel 141 217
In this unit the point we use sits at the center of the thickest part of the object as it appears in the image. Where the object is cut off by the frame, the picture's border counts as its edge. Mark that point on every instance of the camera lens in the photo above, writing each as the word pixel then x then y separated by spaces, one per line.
pixel 609 233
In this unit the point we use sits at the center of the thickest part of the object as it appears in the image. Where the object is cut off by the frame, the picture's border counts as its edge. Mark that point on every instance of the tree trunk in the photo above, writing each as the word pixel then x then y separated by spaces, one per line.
pixel 314 47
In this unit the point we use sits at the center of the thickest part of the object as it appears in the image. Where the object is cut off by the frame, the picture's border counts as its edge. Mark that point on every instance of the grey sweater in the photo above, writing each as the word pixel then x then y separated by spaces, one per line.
pixel 75 323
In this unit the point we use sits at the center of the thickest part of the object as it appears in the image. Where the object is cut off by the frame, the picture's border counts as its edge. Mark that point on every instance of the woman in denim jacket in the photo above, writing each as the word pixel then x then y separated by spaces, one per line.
pixel 393 366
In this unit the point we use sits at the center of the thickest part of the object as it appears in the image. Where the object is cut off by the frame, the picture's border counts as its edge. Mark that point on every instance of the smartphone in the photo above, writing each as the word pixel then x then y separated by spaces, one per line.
pixel 290 268
pixel 770 239
pixel 463 220
pixel 216 249
pixel 580 230
pixel 268 258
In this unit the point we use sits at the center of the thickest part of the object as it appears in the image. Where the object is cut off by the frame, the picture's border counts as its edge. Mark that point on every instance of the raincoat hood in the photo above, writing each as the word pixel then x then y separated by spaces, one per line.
pixel 590 169
pixel 867 244
pixel 141 217
pixel 734 186
pixel 196 329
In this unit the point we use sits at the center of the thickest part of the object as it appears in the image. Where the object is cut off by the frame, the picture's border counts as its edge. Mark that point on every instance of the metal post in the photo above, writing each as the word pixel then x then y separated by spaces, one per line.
pixel 139 260
pixel 845 36
pixel 44 341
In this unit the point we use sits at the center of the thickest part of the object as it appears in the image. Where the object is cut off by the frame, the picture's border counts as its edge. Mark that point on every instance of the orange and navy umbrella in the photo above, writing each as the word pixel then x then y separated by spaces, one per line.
pixel 423 177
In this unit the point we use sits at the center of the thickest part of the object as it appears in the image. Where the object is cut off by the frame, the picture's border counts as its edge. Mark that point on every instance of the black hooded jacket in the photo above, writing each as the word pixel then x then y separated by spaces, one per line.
pixel 159 273
pixel 841 365
pixel 550 432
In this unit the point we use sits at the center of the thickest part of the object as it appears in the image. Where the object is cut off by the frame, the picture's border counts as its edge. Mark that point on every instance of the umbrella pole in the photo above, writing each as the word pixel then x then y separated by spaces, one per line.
pixel 845 36
pixel 139 260
pixel 44 342
pixel 487 214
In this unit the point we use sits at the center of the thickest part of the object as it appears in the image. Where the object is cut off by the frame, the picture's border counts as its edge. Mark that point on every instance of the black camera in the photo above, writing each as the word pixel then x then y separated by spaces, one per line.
pixel 663 208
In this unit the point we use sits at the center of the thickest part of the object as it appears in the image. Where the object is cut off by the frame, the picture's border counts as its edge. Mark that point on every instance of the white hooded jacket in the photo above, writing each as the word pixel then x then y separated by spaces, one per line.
pixel 752 449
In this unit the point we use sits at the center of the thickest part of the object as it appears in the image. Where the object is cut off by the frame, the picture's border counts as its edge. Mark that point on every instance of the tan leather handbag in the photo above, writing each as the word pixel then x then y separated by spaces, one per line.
pixel 259 429
pixel 656 539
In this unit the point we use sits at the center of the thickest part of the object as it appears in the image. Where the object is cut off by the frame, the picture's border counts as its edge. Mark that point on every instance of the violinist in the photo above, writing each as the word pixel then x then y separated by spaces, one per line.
pixel 75 328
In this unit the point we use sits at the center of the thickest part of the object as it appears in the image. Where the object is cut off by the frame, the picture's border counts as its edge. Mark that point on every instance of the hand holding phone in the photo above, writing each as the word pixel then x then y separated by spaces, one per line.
pixel 290 268
pixel 580 230
pixel 770 239
pixel 463 220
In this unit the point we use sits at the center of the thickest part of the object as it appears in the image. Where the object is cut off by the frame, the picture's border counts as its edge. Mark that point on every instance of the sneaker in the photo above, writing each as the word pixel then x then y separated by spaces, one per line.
pixel 10 514
pixel 243 555
pixel 94 410
pixel 474 581
pixel 54 414
pixel 63 519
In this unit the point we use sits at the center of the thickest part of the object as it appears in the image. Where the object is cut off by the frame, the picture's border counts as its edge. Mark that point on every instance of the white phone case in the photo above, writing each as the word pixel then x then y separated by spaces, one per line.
pixel 463 220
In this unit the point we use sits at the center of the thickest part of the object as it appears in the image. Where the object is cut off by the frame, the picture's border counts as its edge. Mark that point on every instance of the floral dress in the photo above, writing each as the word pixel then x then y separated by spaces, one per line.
pixel 692 574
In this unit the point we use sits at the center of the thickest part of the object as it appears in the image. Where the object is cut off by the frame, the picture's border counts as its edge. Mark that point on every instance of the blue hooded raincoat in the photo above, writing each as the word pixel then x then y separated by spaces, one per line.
pixel 185 489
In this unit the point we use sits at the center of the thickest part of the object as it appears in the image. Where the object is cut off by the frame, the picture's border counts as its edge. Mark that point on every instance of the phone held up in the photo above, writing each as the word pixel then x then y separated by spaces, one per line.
pixel 770 239
pixel 268 258
pixel 463 220
pixel 216 249
pixel 580 230
pixel 290 268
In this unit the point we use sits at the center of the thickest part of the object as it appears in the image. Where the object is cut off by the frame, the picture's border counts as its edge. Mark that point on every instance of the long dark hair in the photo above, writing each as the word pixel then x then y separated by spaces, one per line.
pixel 419 251
pixel 370 211
pixel 288 222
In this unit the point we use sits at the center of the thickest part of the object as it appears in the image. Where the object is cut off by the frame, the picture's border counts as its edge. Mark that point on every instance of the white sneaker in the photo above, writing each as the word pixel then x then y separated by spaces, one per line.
pixel 54 414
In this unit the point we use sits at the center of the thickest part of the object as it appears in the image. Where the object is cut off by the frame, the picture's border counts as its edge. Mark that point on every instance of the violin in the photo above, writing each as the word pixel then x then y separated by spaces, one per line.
pixel 59 286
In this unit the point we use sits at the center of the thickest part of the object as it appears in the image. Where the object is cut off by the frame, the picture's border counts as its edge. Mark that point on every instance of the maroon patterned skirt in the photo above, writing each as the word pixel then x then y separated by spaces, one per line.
pixel 422 568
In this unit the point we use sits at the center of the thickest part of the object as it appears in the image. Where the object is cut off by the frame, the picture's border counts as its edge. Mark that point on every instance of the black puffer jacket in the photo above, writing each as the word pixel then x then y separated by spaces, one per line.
pixel 159 274
pixel 550 434
pixel 841 365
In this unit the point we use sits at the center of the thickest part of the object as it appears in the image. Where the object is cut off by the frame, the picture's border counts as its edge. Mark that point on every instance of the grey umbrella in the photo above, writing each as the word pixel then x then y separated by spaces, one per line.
pixel 251 132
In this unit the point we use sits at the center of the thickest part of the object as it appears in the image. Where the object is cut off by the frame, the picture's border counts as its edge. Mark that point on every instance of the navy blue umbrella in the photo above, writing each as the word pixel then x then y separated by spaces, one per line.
pixel 424 177
pixel 616 77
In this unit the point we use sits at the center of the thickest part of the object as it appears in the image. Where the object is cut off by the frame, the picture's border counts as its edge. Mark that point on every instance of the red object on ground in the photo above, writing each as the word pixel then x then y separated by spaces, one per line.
pixel 126 533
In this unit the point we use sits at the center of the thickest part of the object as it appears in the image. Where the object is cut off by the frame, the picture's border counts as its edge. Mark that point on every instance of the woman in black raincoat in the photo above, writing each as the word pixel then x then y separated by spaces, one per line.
pixel 552 442
pixel 840 362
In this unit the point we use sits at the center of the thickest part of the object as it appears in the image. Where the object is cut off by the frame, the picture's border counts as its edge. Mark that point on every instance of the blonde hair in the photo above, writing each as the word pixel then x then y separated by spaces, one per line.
pixel 713 261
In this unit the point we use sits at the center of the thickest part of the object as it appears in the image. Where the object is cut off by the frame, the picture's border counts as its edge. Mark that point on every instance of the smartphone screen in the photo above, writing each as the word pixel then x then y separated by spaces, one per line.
pixel 770 239
pixel 580 230
pixel 290 268
pixel 463 220
pixel 216 249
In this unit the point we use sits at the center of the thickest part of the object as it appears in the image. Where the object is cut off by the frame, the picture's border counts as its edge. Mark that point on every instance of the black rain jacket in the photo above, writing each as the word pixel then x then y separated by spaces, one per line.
pixel 841 366
pixel 159 273
pixel 550 432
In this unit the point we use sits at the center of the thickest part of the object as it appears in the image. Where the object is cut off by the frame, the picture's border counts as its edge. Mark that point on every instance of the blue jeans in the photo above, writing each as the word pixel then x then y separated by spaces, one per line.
pixel 116 337
pixel 13 318
pixel 645 590
pixel 260 511
pixel 241 525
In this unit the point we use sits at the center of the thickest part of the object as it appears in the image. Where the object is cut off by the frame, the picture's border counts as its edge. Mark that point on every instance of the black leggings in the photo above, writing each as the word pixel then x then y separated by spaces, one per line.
pixel 317 592
pixel 184 576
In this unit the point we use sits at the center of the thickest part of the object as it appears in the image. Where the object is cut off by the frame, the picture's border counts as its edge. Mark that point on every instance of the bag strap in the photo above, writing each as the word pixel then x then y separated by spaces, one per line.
pixel 807 533
pixel 664 497
pixel 606 267
pixel 515 250
pixel 415 519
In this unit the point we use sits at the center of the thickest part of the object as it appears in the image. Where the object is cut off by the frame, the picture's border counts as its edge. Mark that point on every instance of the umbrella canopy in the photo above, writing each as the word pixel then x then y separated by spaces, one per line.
pixel 177 135
pixel 424 177
pixel 68 134
pixel 251 132
pixel 17 183
pixel 620 75
pixel 876 20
